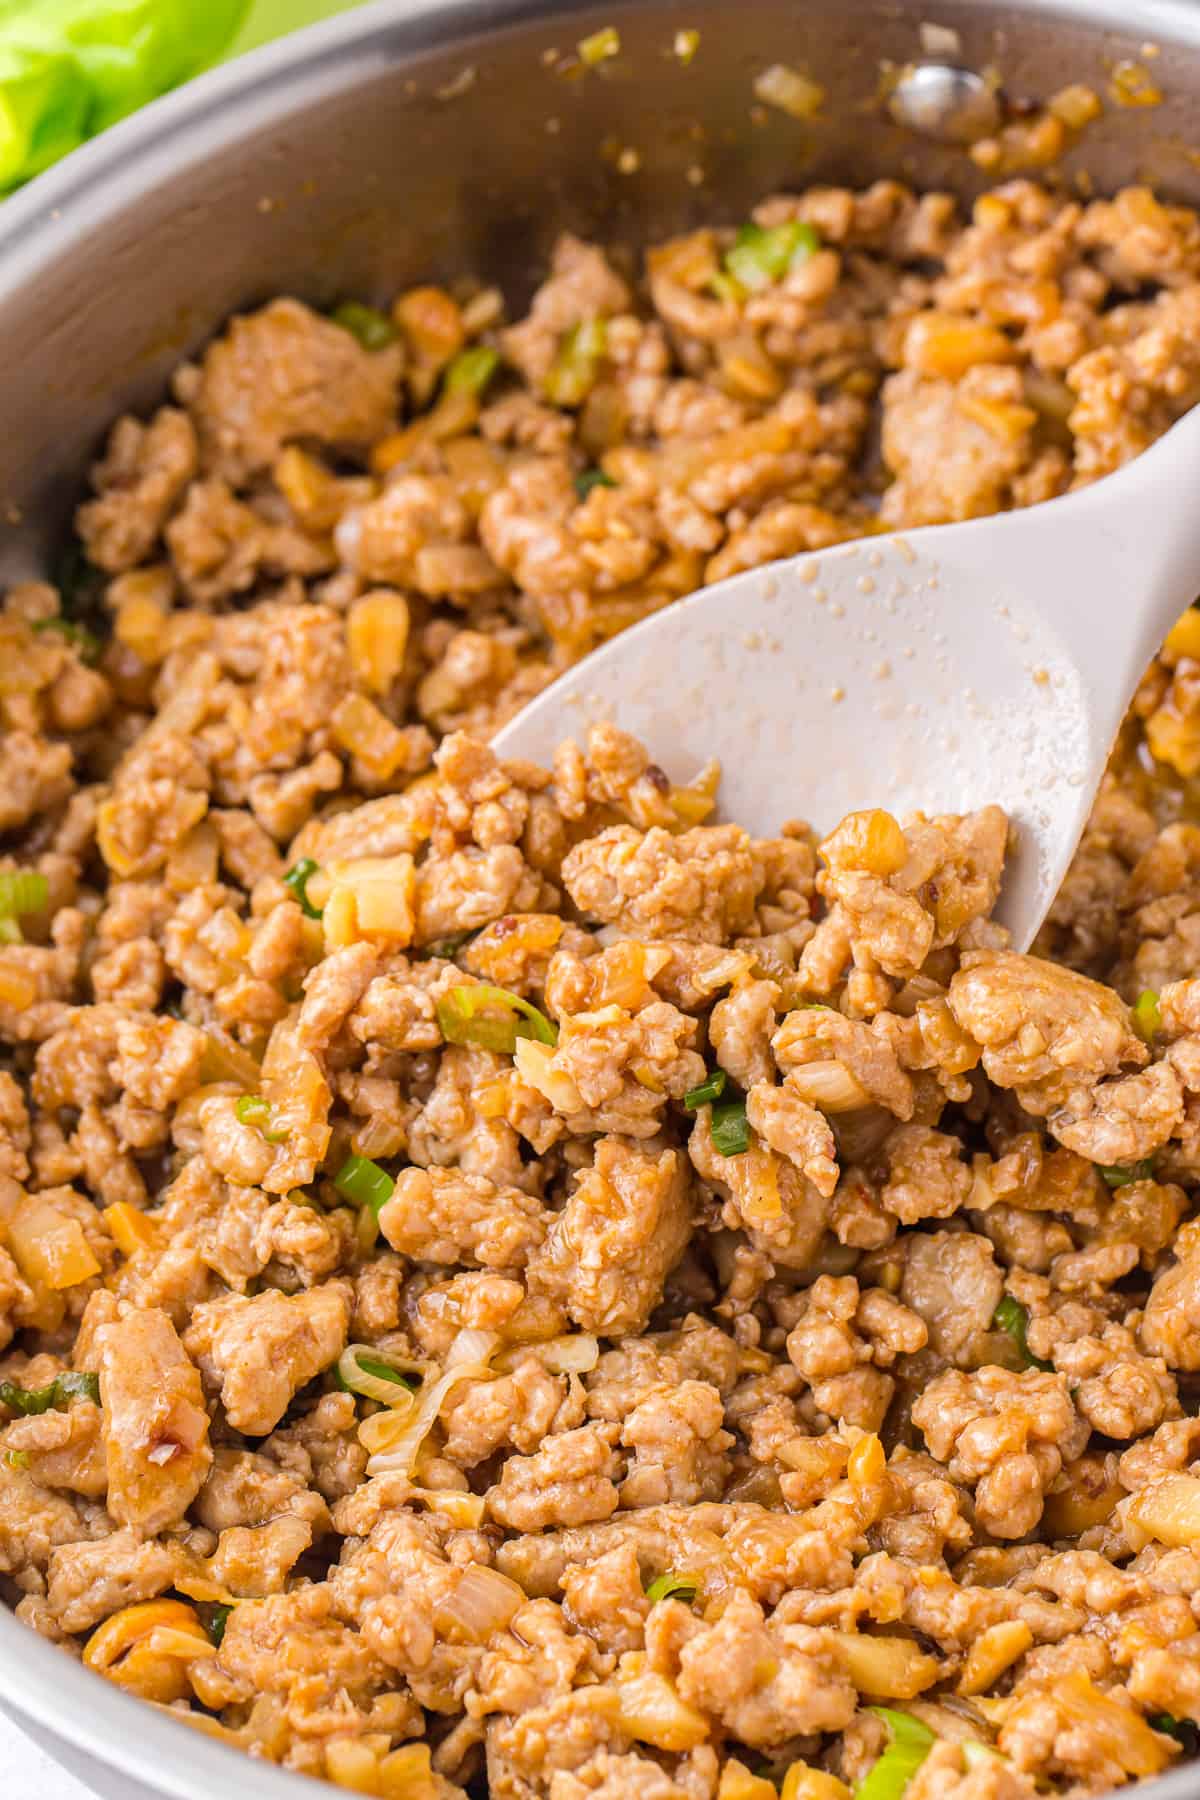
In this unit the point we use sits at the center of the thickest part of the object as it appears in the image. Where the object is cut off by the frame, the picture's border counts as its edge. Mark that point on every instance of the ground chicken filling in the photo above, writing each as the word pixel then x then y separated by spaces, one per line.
pixel 508 1283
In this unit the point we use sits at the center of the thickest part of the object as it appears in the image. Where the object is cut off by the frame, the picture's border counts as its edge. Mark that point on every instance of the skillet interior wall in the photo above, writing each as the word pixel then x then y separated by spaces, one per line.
pixel 367 172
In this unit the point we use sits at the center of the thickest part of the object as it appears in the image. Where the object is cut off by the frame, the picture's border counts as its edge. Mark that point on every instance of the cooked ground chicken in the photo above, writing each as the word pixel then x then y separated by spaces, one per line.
pixel 508 1283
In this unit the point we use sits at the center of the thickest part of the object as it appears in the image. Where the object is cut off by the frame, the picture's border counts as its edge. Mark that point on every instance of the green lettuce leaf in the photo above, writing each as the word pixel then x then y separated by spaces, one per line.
pixel 69 68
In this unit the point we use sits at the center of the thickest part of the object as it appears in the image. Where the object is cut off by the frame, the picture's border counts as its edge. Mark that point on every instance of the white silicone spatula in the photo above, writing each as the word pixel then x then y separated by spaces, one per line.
pixel 932 670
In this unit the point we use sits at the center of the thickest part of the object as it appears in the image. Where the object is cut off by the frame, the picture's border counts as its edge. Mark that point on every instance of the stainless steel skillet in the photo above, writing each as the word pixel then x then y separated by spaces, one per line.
pixel 415 138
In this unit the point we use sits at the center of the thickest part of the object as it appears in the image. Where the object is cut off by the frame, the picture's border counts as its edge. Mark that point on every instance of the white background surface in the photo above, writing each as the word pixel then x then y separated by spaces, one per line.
pixel 27 1770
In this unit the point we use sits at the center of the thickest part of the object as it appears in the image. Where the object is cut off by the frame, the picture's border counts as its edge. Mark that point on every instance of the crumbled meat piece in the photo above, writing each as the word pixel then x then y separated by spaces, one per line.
pixel 257 1353
pixel 609 1251
pixel 155 1425
pixel 1008 1435
pixel 444 1216
pixel 567 1482
pixel 282 374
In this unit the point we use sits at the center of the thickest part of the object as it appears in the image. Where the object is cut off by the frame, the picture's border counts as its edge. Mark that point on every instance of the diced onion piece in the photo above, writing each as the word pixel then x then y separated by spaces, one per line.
pixel 803 1783
pixel 871 841
pixel 686 45
pixel 867 1461
pixel 407 1774
pixel 371 897
pixel 464 1017
pixel 353 1764
pixel 1165 1512
pixel 737 1783
pixel 362 1370
pixel 828 1084
pixel 789 90
pixel 535 1067
pixel 759 1198
pixel 1118 1736
pixel 575 1353
pixel 223 1060
pixel 993 1651
pixel 653 1712
pixel 377 627
pixel 18 989
pixel 483 1602
pixel 1183 639
pixel 886 1667
pixel 131 1230
pixel 148 1647
pixel 461 1509
pixel 468 1360
pixel 50 1247
pixel 945 345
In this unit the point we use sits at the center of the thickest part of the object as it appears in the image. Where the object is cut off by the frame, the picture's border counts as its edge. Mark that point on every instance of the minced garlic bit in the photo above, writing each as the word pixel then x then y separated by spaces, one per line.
pixel 598 48
pixel 790 90
pixel 1132 84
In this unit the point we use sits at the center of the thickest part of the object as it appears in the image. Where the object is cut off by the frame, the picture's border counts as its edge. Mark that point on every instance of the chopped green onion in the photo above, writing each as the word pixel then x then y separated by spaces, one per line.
pixel 471 370
pixel 298 878
pixel 364 1182
pixel 1012 1317
pixel 366 324
pixel 730 1128
pixel 21 891
pixel 726 288
pixel 252 1109
pixel 600 46
pixel 673 1586
pixel 762 254
pixel 592 478
pixel 17 1459
pixel 85 643
pixel 461 1015
pixel 1147 1016
pixel 218 1620
pixel 710 1089
pixel 911 1742
pixel 1118 1177
pixel 72 1385
pixel 1184 1731
pixel 572 375
pixel 359 1372
pixel 80 585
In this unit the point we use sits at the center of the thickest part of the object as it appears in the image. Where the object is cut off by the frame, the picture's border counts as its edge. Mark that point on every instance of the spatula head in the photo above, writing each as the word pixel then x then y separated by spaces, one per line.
pixel 873 674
